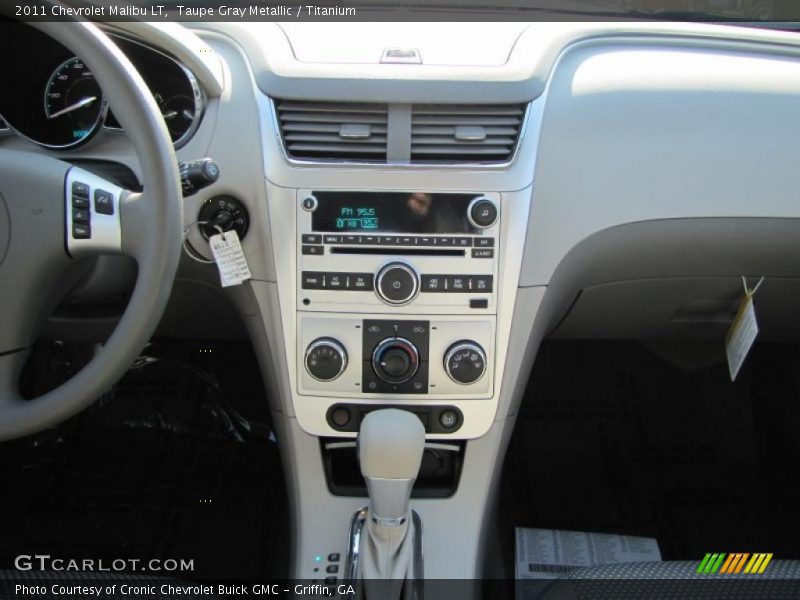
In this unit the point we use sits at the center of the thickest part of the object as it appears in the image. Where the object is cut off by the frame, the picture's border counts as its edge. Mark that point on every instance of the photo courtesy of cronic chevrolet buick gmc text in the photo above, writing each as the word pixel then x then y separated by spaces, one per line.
pixel 385 300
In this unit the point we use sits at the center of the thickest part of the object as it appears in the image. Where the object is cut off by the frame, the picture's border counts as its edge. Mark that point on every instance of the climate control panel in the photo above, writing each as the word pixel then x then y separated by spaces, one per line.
pixel 372 357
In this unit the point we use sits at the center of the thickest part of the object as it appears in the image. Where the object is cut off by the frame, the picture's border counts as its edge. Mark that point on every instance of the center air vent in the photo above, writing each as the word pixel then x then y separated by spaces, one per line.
pixel 482 133
pixel 333 131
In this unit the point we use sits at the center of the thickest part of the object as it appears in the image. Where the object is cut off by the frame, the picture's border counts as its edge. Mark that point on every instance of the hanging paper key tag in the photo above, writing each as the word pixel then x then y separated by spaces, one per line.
pixel 743 331
pixel 228 254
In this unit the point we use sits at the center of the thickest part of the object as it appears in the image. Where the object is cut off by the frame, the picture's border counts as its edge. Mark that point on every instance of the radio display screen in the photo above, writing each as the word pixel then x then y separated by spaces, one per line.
pixel 391 212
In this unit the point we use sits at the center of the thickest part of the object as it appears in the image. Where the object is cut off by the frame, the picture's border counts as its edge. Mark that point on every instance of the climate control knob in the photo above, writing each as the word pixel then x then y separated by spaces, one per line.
pixel 395 360
pixel 325 359
pixel 465 362
pixel 397 283
pixel 482 212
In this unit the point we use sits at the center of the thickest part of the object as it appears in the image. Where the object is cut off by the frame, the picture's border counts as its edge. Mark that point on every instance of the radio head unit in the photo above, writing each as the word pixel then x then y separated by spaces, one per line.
pixel 397 251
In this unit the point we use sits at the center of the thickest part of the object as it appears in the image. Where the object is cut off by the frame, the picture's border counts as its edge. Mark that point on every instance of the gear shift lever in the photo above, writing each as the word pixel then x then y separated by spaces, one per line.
pixel 390 447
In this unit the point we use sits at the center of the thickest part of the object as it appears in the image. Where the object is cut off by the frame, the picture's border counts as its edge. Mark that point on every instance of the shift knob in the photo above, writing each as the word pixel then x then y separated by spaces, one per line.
pixel 390 447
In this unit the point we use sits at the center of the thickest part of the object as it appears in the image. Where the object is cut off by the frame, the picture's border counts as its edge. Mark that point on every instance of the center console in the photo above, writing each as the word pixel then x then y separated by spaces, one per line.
pixel 396 302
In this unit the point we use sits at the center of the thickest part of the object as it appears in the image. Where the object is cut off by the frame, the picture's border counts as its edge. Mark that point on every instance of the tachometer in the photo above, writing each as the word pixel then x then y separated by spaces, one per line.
pixel 73 103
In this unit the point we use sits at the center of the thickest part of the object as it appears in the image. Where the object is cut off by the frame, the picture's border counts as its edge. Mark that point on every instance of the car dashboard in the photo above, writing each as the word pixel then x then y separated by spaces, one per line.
pixel 422 213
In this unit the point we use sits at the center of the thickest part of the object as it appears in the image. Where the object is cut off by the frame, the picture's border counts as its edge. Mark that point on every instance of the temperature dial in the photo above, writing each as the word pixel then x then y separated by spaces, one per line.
pixel 326 359
pixel 395 360
pixel 465 362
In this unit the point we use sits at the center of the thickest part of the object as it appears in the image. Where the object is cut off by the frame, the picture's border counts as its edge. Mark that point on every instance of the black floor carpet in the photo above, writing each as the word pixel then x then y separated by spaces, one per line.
pixel 177 461
pixel 613 439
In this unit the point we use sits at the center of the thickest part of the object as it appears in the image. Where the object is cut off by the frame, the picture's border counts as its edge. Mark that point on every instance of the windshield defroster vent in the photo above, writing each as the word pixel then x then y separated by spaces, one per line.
pixel 333 131
pixel 481 133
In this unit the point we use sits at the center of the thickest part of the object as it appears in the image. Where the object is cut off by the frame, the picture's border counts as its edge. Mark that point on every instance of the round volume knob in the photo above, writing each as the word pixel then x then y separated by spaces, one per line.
pixel 482 212
pixel 465 362
pixel 395 360
pixel 326 359
pixel 397 283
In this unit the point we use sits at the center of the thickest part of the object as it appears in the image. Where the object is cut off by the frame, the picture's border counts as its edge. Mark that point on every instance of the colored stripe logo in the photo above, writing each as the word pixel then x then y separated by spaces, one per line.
pixel 734 563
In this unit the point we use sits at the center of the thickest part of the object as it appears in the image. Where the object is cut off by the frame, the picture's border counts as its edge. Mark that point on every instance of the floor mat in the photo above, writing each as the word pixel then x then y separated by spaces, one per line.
pixel 613 439
pixel 176 461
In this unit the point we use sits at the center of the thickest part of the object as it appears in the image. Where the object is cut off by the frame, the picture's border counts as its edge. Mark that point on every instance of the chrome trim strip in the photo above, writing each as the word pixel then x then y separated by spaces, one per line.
pixel 354 547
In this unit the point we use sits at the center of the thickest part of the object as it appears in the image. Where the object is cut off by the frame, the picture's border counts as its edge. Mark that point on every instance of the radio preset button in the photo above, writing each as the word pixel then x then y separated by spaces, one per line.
pixel 408 240
pixel 352 239
pixel 462 242
pixel 389 239
pixel 397 283
pixel 372 240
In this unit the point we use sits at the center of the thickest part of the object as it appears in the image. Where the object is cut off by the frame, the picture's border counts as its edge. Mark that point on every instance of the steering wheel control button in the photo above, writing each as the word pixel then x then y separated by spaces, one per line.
pixel 80 189
pixel 325 359
pixel 103 202
pixel 81 231
pixel 395 360
pixel 397 283
pixel 465 362
pixel 310 203
pixel 482 212
pixel 80 215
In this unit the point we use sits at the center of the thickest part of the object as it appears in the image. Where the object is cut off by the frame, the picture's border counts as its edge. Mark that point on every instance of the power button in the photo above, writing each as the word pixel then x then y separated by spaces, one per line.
pixel 310 203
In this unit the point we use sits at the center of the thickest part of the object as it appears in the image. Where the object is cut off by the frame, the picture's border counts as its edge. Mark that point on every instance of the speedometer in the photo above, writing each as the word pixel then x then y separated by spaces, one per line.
pixel 73 103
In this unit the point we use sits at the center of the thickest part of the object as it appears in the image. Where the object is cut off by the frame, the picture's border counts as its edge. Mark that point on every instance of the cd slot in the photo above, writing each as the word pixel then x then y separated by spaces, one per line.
pixel 398 251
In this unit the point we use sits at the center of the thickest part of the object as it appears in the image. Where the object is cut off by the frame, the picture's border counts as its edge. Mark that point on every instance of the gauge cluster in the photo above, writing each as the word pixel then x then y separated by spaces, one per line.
pixel 53 99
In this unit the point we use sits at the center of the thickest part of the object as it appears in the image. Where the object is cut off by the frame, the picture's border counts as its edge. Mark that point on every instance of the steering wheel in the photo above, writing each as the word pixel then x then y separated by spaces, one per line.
pixel 41 237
